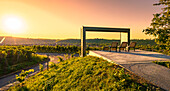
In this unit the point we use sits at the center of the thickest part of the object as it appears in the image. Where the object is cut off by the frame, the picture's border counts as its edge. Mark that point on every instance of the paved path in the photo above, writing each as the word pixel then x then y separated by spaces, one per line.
pixel 5 81
pixel 140 63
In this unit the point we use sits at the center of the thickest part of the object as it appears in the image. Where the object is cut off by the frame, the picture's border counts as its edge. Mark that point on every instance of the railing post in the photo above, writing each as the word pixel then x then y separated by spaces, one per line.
pixel 48 59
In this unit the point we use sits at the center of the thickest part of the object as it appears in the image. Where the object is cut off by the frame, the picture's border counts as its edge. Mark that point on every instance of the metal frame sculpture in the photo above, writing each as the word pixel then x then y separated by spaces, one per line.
pixel 99 29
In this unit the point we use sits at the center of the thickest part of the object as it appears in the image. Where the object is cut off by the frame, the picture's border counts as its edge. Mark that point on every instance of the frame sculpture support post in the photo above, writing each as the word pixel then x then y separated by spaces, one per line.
pixel 128 37
pixel 83 42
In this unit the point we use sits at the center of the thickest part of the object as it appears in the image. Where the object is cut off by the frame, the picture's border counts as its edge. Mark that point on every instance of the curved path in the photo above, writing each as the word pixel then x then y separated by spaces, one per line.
pixel 140 63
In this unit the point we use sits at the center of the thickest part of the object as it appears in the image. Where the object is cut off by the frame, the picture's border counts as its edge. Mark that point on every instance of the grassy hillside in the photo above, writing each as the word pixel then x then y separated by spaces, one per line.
pixel 80 74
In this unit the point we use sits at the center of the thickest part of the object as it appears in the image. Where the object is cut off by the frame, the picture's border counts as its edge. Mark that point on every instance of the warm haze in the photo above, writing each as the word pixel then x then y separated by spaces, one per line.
pixel 62 19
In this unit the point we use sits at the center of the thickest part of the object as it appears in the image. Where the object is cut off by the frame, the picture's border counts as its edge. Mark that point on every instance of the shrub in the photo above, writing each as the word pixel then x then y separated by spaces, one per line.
pixel 41 67
pixel 21 77
pixel 60 59
pixel 163 63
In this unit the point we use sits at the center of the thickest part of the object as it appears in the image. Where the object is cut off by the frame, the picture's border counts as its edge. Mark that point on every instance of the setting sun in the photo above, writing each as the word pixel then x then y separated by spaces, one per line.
pixel 13 25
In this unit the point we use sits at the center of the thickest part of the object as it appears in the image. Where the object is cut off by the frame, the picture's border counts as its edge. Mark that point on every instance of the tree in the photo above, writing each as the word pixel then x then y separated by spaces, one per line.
pixel 160 26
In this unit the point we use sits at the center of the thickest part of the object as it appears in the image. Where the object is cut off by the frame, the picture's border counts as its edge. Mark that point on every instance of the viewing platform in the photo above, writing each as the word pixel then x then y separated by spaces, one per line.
pixel 139 56
pixel 140 63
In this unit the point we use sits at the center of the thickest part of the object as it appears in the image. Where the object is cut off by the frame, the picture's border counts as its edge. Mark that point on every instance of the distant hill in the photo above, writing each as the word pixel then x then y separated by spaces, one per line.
pixel 88 41
pixel 28 41
pixel 100 41
pixel 25 41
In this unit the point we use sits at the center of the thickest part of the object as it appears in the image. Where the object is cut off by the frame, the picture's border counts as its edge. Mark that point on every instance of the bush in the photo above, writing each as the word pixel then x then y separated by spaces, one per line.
pixel 23 75
pixel 41 67
pixel 163 63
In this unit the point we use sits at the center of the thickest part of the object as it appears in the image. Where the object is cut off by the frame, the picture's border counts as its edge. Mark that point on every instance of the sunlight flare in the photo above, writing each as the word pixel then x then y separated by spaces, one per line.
pixel 13 25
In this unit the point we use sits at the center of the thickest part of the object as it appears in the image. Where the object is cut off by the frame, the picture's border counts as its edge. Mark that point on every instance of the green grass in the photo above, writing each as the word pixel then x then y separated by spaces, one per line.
pixel 163 63
pixel 79 74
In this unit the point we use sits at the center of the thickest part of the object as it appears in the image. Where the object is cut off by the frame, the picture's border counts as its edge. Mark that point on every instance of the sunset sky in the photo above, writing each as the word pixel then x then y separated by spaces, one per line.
pixel 62 19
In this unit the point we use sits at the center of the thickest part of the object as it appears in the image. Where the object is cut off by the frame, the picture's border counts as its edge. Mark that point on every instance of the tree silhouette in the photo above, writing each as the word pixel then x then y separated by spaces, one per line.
pixel 160 26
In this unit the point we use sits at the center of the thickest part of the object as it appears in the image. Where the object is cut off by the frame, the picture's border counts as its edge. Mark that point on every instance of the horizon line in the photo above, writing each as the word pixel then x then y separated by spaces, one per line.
pixel 74 38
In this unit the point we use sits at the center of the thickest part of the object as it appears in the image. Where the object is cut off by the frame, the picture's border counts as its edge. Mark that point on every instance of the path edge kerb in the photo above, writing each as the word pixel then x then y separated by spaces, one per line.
pixel 92 53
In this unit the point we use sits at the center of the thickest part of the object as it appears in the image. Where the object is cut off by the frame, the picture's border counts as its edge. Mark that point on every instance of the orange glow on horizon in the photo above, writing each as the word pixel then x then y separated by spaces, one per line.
pixel 59 19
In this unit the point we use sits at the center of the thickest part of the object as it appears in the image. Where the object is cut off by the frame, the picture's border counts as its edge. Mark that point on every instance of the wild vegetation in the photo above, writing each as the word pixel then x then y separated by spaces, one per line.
pixel 13 58
pixel 57 48
pixel 17 57
pixel 88 73
pixel 98 44
pixel 160 26
pixel 154 48
pixel 76 49
pixel 163 63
